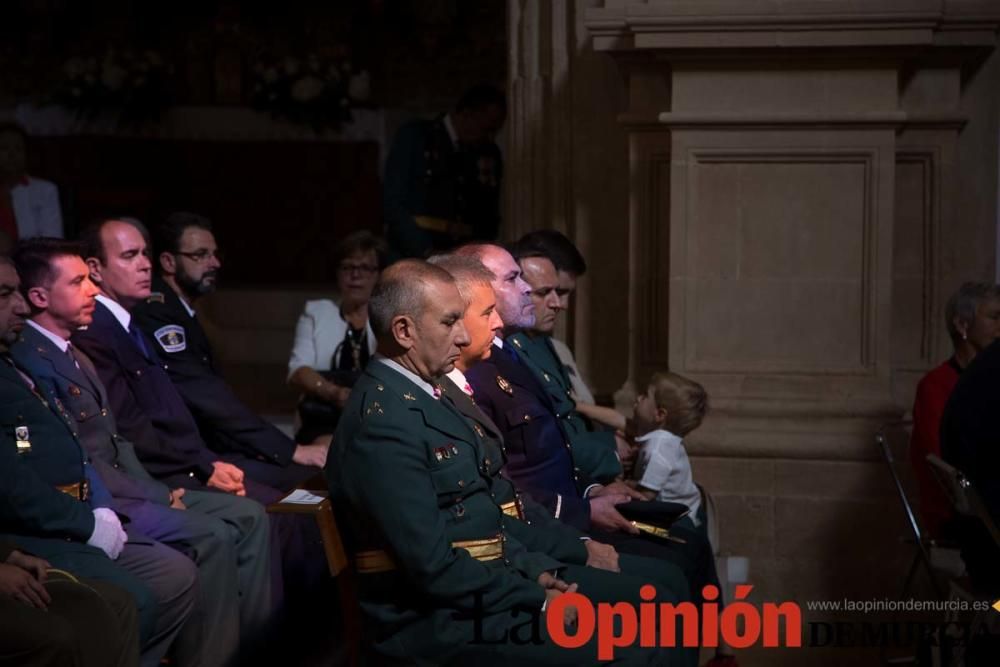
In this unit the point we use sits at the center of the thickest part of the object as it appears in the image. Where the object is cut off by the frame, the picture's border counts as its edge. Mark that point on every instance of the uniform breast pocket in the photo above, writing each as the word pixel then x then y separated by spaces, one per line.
pixel 81 405
pixel 532 432
pixel 455 480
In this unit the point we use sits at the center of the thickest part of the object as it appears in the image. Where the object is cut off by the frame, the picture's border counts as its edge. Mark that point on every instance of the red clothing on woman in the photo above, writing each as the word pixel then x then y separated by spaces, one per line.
pixel 928 408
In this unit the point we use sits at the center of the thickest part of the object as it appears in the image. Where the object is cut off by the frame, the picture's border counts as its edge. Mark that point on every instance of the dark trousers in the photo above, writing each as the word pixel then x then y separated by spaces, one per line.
pixel 694 558
pixel 228 538
pixel 88 624
pixel 162 582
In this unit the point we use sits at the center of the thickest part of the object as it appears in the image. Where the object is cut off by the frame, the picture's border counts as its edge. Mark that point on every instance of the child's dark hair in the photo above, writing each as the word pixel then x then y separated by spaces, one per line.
pixel 685 401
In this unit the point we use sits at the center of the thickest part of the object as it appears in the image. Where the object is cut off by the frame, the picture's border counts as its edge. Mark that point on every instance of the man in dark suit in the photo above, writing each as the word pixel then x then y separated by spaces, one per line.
pixel 52 618
pixel 534 345
pixel 441 554
pixel 442 177
pixel 225 535
pixel 55 505
pixel 970 441
pixel 152 415
pixel 541 458
pixel 188 260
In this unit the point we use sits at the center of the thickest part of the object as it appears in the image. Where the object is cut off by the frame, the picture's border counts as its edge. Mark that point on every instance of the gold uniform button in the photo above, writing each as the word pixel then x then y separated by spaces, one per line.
pixel 461 483
pixel 104 413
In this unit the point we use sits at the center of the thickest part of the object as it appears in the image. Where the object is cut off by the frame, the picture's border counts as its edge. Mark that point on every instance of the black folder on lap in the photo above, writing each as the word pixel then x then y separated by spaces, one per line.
pixel 653 518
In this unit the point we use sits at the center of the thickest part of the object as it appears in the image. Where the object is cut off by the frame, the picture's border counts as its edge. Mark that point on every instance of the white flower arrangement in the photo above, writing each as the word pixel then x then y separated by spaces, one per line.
pixel 309 90
pixel 132 83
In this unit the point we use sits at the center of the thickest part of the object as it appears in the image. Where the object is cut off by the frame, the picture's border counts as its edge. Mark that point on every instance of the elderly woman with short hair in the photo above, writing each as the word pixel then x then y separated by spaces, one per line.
pixel 333 341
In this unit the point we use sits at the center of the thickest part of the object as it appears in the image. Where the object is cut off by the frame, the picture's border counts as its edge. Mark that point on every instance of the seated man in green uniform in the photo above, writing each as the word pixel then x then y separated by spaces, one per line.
pixel 51 618
pixel 448 572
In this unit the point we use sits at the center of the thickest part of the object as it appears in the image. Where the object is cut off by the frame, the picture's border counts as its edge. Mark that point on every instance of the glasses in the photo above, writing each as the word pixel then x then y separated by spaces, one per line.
pixel 363 269
pixel 202 255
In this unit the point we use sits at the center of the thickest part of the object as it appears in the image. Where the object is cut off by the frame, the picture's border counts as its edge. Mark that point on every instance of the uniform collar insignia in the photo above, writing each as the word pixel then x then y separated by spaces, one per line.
pixel 410 397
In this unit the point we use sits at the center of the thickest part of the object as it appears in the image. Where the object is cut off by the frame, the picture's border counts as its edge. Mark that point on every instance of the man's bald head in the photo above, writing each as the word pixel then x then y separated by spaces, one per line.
pixel 416 313
pixel 513 294
pixel 401 291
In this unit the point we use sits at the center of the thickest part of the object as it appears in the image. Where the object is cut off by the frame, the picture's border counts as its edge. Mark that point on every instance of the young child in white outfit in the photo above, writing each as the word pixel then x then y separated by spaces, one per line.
pixel 671 408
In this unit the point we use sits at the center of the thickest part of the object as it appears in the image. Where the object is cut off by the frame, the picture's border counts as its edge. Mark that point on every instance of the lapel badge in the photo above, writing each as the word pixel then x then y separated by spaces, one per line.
pixel 410 397
pixel 454 449
pixel 74 390
pixel 23 438
pixel 546 376
pixel 478 429
pixel 439 453
pixel 380 387
pixel 446 452
pixel 516 342
pixel 504 385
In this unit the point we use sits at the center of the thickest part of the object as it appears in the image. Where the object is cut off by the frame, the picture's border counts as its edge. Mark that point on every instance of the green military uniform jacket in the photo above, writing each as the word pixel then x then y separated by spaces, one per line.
pixel 39 451
pixel 594 452
pixel 413 481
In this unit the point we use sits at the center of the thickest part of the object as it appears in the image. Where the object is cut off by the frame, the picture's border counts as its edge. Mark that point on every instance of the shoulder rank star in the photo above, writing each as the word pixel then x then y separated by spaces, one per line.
pixel 504 385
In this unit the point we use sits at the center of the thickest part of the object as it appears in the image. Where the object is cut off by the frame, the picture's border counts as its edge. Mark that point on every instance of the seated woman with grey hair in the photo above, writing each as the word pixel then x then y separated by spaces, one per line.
pixel 333 340
pixel 972 316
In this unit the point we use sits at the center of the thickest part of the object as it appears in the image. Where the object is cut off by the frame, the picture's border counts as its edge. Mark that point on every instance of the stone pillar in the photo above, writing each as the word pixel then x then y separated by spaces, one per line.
pixel 808 181
pixel 564 158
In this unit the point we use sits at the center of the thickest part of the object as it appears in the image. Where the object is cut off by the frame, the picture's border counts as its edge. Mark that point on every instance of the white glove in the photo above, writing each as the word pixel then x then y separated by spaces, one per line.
pixel 108 535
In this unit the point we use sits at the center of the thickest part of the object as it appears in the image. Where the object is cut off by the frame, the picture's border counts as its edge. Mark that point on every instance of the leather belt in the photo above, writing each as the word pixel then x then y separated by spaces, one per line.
pixel 80 490
pixel 514 508
pixel 442 225
pixel 375 561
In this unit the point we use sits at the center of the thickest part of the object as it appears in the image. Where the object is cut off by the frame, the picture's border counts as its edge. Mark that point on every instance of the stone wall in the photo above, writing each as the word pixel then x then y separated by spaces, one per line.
pixel 775 199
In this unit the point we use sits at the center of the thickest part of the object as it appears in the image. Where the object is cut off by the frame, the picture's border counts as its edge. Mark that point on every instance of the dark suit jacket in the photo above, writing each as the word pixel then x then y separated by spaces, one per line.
pixel 970 428
pixel 148 410
pixel 88 405
pixel 225 422
pixel 30 504
pixel 539 457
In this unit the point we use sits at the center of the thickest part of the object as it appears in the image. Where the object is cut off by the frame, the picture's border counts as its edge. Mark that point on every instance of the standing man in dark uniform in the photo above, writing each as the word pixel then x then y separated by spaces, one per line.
pixel 442 177
pixel 54 504
pixel 189 263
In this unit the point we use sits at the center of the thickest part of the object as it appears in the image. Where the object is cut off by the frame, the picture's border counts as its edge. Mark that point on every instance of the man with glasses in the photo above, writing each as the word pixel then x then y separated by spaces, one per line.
pixel 189 262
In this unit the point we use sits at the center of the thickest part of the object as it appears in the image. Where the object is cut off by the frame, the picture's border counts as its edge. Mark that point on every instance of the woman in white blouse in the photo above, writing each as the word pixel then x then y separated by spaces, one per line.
pixel 333 341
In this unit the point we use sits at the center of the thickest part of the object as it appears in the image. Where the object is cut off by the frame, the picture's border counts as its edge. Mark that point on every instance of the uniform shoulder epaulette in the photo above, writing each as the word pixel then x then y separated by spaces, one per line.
pixel 155 297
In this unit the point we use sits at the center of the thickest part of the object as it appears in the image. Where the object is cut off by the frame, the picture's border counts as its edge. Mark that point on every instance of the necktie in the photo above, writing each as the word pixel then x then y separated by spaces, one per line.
pixel 84 366
pixel 138 339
